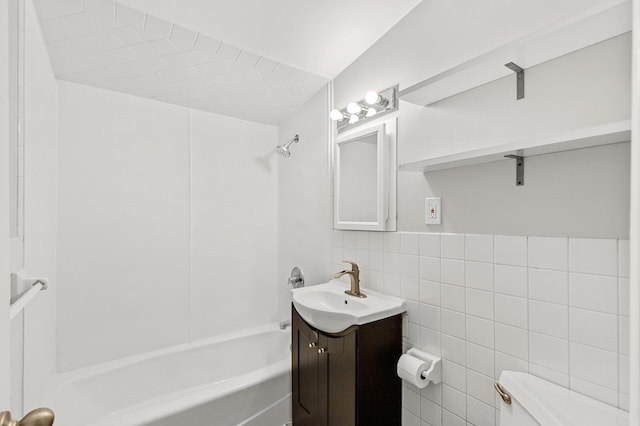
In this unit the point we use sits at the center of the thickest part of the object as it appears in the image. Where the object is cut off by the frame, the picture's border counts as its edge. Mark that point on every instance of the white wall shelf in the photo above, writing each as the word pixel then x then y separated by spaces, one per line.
pixel 608 20
pixel 605 134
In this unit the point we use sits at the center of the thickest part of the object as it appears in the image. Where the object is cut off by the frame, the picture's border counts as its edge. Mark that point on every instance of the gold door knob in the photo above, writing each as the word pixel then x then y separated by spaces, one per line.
pixel 37 417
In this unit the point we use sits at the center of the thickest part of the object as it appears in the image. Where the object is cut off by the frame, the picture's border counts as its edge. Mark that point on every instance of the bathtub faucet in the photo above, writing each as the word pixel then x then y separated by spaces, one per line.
pixel 283 325
pixel 354 275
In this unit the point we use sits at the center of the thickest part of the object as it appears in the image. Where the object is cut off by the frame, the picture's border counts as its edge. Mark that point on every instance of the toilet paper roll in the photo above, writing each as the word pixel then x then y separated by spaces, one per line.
pixel 411 368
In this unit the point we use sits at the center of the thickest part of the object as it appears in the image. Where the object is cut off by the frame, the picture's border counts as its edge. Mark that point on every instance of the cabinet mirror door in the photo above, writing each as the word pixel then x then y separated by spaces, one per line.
pixel 365 179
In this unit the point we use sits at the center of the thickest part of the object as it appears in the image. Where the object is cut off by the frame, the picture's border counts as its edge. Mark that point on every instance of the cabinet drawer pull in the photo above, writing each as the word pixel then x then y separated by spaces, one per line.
pixel 322 350
pixel 312 344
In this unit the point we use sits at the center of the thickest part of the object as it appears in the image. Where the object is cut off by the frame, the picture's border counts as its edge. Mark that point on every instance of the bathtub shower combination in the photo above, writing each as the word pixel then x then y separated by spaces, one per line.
pixel 241 379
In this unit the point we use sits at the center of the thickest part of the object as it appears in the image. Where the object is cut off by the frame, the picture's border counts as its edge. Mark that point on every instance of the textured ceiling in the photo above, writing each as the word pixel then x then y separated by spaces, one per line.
pixel 108 45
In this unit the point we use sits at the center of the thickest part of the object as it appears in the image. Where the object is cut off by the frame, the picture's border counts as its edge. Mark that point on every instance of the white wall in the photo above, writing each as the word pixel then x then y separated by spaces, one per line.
pixel 167 225
pixel 4 205
pixel 304 213
pixel 233 224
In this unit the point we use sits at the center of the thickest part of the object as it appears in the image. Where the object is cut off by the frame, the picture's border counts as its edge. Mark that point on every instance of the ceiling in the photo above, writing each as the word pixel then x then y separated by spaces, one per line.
pixel 250 59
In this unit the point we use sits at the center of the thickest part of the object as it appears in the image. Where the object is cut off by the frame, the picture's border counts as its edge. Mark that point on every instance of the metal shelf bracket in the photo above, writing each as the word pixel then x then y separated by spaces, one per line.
pixel 519 168
pixel 520 78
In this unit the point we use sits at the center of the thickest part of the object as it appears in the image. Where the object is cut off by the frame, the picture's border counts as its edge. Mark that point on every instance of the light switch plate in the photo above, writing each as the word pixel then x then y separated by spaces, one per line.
pixel 433 211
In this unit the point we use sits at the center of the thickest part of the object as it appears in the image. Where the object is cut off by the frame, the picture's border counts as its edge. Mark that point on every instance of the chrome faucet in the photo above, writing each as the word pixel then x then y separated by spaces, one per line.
pixel 354 275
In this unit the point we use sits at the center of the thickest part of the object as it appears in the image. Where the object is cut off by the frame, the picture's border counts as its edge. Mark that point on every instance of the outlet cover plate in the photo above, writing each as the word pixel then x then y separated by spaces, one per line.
pixel 433 211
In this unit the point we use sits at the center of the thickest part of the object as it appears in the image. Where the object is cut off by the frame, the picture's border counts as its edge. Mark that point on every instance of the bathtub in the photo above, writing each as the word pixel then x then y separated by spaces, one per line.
pixel 240 379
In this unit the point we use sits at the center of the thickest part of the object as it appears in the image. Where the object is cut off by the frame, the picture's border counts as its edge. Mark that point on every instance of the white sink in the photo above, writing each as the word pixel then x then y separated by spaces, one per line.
pixel 327 308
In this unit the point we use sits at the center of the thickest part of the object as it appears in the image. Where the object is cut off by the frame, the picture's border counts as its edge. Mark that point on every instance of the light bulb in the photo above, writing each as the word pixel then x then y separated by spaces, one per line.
pixel 354 118
pixel 353 108
pixel 371 112
pixel 336 115
pixel 372 97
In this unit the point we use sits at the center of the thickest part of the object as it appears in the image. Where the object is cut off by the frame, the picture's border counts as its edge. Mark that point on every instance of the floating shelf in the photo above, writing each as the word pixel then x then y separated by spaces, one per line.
pixel 606 134
pixel 607 21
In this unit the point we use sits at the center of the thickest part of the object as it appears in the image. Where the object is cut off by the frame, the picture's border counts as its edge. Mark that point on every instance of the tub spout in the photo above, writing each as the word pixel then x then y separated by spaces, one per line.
pixel 283 325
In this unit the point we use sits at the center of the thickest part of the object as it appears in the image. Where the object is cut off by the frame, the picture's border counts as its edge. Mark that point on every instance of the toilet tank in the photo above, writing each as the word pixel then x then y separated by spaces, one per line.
pixel 536 402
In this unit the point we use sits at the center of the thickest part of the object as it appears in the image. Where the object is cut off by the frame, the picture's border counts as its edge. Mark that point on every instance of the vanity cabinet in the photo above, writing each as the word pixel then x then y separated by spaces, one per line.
pixel 347 378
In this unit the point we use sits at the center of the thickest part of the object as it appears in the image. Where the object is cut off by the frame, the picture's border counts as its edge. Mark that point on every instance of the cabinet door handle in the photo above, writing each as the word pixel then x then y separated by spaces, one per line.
pixel 312 344
pixel 322 350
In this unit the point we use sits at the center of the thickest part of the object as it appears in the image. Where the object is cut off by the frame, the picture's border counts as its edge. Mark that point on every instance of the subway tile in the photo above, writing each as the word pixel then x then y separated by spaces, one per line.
pixel 430 412
pixel 409 418
pixel 433 392
pixel 411 400
pixel 596 292
pixel 409 243
pixel 479 275
pixel 480 413
pixel 410 288
pixel 430 292
pixel 453 297
pixel 479 248
pixel 413 311
pixel 511 310
pixel 480 387
pixel 624 381
pixel 504 362
pixel 450 419
pixel 595 391
pixel 429 268
pixel 409 266
pixel 549 286
pixel 510 250
pixel 549 318
pixel 453 271
pixel 362 240
pixel 431 341
pixel 452 323
pixel 452 246
pixel 376 241
pixel 593 256
pixel 623 258
pixel 392 263
pixel 594 365
pixel 414 335
pixel 453 349
pixel 336 238
pixel 623 333
pixel 623 296
pixel 480 303
pixel 362 258
pixel 391 242
pixel 549 352
pixel 430 245
pixel 547 253
pixel 512 341
pixel 430 316
pixel 480 331
pixel 550 375
pixel 376 281
pixel 510 280
pixel 593 328
pixel 480 359
pixel 348 254
pixel 349 239
pixel 392 285
pixel 376 261
pixel 454 375
pixel 454 401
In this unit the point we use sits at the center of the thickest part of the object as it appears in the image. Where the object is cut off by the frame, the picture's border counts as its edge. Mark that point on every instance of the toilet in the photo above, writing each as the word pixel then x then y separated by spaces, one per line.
pixel 536 402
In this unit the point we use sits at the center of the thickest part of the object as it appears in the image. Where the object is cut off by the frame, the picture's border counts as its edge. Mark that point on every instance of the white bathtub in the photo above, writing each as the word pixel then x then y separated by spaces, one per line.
pixel 241 379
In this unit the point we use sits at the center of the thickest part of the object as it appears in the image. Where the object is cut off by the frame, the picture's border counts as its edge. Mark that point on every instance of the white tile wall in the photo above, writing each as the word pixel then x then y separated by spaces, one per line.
pixel 555 307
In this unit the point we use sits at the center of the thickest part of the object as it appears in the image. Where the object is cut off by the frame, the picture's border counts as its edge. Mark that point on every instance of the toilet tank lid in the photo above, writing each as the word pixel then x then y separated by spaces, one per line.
pixel 553 405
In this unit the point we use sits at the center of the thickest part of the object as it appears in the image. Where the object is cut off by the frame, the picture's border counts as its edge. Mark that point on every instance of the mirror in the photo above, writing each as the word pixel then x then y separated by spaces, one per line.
pixel 365 178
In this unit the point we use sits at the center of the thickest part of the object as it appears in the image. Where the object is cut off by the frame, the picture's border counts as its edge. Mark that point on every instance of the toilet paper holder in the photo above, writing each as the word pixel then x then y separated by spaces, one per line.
pixel 434 372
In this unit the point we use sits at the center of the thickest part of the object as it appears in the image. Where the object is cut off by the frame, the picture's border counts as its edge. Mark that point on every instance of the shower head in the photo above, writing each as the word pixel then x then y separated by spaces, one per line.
pixel 284 149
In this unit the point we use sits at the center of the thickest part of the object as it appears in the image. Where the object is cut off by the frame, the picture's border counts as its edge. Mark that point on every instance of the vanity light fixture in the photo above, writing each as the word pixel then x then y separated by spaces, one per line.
pixel 374 104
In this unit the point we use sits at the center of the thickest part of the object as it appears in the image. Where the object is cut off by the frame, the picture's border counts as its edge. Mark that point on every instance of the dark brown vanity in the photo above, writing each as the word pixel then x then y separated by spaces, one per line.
pixel 346 378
